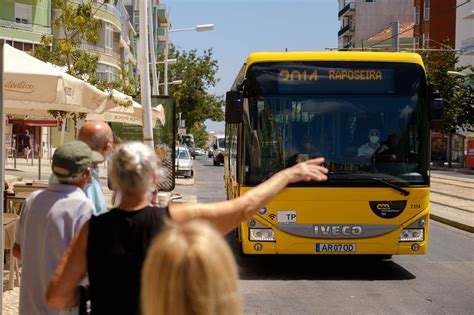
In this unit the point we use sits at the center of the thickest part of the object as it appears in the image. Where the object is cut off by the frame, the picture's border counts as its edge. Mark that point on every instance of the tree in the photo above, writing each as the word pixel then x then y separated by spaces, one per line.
pixel 198 73
pixel 198 130
pixel 457 92
pixel 74 24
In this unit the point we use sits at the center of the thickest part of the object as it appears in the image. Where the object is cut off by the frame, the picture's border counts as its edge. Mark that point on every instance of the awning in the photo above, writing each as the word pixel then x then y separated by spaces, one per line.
pixel 35 122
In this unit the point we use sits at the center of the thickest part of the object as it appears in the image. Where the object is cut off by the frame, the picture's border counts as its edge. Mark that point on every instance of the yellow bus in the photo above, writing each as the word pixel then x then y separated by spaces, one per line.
pixel 368 115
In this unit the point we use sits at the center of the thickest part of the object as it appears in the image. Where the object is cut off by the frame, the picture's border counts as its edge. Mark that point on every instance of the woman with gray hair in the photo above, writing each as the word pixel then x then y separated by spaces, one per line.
pixel 111 248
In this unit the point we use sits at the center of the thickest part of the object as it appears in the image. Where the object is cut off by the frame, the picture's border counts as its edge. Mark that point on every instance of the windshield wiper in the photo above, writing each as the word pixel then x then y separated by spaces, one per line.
pixel 385 181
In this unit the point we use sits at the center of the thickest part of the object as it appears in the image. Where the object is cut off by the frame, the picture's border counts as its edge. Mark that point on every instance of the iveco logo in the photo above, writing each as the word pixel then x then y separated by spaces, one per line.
pixel 337 230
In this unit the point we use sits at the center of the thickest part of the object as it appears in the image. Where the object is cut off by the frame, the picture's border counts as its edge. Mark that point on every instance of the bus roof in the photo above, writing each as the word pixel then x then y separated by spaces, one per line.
pixel 334 55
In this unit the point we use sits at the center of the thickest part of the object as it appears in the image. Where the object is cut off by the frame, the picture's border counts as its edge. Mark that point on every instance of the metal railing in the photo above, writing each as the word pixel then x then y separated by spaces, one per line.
pixel 345 29
pixel 89 47
pixel 25 27
pixel 349 7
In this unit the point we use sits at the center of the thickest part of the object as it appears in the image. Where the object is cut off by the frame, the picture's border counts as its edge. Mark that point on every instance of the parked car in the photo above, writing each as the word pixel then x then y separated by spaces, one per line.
pixel 200 152
pixel 193 152
pixel 183 163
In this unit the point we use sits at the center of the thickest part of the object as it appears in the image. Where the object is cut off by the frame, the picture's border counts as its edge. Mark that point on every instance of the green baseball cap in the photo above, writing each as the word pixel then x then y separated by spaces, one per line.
pixel 73 158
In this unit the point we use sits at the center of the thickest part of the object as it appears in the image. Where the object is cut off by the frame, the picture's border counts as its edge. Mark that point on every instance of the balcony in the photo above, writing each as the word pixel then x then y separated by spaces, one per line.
pixel 349 9
pixel 100 50
pixel 162 16
pixel 467 46
pixel 25 27
pixel 346 30
pixel 160 33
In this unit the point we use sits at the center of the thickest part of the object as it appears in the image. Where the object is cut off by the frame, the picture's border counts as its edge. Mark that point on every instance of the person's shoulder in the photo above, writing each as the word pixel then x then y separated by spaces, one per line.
pixel 158 212
pixel 36 196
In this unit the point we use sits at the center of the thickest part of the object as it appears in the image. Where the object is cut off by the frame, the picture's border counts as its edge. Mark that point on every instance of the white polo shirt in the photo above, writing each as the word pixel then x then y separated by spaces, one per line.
pixel 48 223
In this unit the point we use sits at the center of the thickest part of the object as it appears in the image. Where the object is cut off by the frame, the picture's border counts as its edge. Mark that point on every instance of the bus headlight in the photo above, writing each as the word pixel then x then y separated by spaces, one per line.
pixel 256 224
pixel 411 235
pixel 262 235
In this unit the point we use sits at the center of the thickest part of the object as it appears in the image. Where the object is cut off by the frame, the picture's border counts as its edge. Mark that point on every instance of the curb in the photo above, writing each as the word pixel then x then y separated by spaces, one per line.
pixel 457 170
pixel 452 223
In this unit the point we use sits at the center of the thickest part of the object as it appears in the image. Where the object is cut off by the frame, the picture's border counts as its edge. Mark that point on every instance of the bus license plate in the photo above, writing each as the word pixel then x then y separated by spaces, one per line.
pixel 337 248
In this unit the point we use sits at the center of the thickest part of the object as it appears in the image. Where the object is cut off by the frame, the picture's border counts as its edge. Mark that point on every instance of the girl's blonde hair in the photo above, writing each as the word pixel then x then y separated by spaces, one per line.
pixel 190 269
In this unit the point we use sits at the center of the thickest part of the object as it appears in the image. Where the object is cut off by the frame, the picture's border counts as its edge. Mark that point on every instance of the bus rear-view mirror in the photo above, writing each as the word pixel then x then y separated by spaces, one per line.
pixel 436 103
pixel 234 104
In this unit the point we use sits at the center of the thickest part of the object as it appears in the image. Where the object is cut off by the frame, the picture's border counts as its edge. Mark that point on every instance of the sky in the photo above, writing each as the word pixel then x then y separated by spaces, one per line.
pixel 245 26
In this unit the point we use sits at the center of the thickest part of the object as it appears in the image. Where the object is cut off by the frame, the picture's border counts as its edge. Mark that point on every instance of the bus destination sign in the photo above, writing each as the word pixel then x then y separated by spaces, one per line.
pixel 322 80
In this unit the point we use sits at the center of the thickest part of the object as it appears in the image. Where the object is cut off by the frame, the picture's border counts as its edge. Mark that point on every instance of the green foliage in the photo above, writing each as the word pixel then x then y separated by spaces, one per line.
pixel 75 24
pixel 198 130
pixel 455 90
pixel 198 73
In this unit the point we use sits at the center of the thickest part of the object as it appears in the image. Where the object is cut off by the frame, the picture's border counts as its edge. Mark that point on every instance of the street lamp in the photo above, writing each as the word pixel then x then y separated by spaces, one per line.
pixel 170 61
pixel 198 28
pixel 175 82
pixel 456 74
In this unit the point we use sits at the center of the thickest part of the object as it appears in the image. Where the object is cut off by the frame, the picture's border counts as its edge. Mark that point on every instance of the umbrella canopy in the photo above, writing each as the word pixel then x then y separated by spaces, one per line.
pixel 33 85
pixel 132 114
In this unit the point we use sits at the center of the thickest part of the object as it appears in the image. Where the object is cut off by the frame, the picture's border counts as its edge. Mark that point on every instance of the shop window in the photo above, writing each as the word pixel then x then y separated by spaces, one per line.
pixel 67 127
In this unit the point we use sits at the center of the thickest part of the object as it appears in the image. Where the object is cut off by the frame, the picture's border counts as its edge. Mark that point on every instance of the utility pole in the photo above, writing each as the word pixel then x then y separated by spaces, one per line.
pixel 396 36
pixel 151 24
pixel 145 75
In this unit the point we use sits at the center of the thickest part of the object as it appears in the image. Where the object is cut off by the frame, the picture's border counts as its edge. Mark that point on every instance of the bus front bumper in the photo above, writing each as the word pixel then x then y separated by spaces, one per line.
pixel 387 244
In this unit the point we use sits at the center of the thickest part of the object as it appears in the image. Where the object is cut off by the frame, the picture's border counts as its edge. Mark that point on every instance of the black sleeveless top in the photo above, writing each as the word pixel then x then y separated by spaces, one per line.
pixel 116 249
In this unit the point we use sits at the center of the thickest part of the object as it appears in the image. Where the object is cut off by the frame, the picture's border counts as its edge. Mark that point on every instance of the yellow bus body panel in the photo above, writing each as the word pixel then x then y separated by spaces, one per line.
pixel 334 56
pixel 339 206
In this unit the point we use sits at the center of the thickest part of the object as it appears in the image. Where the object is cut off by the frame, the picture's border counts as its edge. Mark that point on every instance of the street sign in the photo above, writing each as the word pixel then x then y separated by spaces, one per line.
pixel 181 131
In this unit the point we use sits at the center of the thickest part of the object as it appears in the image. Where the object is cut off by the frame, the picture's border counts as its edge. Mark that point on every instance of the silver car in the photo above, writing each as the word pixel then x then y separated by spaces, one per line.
pixel 183 163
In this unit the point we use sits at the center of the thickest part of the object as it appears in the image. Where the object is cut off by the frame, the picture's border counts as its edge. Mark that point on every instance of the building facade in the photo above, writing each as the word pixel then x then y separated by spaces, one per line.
pixel 362 19
pixel 24 22
pixel 465 32
pixel 435 23
pixel 22 25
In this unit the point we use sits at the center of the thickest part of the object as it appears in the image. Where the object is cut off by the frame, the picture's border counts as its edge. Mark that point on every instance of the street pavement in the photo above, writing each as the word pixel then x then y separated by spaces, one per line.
pixel 452 200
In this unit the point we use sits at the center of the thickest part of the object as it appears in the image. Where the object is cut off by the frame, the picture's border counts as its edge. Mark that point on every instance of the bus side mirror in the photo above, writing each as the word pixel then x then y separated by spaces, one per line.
pixel 234 104
pixel 436 103
pixel 214 146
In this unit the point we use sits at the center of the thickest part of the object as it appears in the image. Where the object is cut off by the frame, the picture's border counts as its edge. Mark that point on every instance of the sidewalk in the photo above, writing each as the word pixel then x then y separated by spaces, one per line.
pixel 455 167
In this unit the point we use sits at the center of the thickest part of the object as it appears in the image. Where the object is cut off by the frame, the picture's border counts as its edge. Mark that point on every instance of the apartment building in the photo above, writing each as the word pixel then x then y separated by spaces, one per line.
pixel 24 22
pixel 435 23
pixel 361 19
pixel 465 32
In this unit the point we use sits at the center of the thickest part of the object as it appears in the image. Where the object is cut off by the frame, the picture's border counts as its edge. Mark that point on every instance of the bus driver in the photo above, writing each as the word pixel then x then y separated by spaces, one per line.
pixel 373 145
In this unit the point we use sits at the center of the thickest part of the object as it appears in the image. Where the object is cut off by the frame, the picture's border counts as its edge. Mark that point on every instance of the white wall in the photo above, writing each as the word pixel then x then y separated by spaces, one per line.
pixel 374 17
pixel 465 30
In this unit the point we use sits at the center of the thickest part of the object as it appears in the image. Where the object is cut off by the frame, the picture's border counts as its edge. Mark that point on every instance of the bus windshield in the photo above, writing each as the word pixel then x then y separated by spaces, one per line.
pixel 362 117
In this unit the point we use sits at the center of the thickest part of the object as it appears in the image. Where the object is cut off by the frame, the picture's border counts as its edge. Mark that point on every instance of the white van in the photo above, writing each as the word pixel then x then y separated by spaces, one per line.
pixel 218 146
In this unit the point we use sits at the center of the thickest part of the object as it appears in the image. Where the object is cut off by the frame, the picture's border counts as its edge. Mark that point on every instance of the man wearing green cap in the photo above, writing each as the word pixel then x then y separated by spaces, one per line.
pixel 49 221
